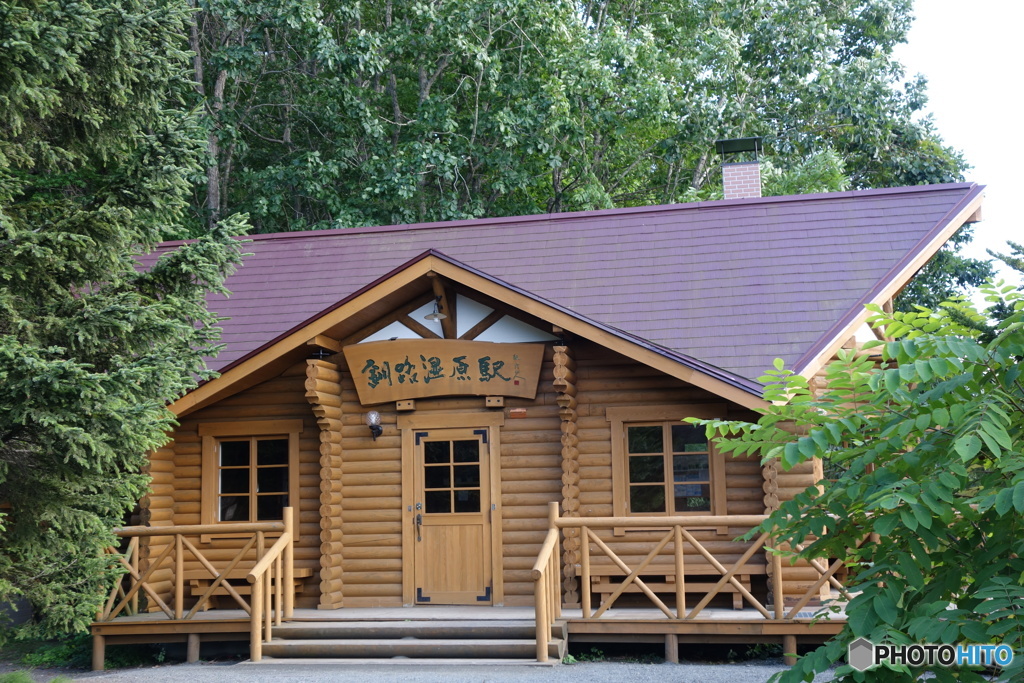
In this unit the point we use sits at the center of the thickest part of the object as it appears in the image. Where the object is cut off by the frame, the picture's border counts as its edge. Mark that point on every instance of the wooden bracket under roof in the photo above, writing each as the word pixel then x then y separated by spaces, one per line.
pixel 325 342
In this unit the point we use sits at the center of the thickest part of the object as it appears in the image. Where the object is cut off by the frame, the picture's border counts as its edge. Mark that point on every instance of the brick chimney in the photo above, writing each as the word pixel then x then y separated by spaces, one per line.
pixel 741 179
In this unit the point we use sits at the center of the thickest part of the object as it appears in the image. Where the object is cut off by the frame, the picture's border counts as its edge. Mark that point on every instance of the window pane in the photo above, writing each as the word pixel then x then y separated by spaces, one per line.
pixel 467 451
pixel 646 468
pixel 272 452
pixel 467 475
pixel 272 480
pixel 234 453
pixel 234 508
pixel 270 507
pixel 437 452
pixel 646 499
pixel 690 467
pixel 467 501
pixel 438 501
pixel 437 477
pixel 688 439
pixel 234 481
pixel 693 497
pixel 645 439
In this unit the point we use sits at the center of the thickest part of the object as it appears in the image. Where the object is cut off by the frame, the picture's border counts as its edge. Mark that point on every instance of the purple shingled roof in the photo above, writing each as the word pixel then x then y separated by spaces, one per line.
pixel 734 284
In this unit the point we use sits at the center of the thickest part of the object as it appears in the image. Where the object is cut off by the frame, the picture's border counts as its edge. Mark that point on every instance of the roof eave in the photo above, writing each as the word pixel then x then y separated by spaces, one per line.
pixel 890 284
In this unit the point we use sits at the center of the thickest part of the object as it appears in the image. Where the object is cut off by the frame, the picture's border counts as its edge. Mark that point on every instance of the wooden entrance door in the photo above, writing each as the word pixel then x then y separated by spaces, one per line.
pixel 452 517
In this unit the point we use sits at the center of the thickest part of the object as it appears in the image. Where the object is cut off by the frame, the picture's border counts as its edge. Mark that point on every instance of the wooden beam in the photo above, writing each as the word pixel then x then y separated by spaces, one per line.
pixel 448 326
pixel 394 316
pixel 489 319
pixel 325 342
pixel 418 327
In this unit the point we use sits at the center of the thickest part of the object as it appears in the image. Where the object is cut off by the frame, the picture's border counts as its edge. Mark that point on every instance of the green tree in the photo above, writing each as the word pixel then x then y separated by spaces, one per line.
pixel 336 114
pixel 929 451
pixel 97 157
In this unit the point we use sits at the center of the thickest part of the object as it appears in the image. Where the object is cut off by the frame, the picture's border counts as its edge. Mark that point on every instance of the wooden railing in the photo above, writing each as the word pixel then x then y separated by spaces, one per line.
pixel 677 533
pixel 271 578
pixel 547 585
pixel 262 576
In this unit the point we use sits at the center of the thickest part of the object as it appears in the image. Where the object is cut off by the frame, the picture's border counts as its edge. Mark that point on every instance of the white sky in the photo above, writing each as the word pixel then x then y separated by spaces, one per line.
pixel 972 54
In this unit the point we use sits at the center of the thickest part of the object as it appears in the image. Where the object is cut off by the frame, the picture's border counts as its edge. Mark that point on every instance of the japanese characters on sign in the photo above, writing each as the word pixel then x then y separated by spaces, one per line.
pixel 418 368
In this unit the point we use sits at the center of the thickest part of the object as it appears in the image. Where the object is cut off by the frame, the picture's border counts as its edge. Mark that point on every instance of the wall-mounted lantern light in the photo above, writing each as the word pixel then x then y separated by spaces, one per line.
pixel 372 420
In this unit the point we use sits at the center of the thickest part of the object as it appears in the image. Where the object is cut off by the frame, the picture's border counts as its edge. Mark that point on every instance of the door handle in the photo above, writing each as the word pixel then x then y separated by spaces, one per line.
pixel 419 523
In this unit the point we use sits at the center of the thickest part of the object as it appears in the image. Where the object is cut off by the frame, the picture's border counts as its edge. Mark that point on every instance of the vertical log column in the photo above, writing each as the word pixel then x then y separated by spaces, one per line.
pixel 770 472
pixel 323 391
pixel 565 385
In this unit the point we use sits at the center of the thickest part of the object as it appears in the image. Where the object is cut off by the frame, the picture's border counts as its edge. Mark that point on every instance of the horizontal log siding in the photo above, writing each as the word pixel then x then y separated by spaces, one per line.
pixel 530 472
pixel 371 497
pixel 799 577
pixel 531 478
pixel 283 397
pixel 161 471
pixel 606 379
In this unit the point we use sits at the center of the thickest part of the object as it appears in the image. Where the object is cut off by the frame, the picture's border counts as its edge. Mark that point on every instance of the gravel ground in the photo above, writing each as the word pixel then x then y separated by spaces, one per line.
pixel 317 671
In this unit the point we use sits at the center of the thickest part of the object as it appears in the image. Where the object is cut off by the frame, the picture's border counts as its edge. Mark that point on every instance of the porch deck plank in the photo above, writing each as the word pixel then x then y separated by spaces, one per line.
pixel 227 619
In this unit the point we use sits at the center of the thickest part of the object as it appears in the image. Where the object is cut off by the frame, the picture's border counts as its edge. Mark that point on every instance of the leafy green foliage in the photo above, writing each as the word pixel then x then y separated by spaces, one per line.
pixel 930 445
pixel 331 114
pixel 97 158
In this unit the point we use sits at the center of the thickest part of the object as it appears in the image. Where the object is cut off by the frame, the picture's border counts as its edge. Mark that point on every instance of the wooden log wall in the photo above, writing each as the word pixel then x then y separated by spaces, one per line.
pixel 531 478
pixel 161 470
pixel 797 578
pixel 605 379
pixel 371 493
pixel 530 472
pixel 178 500
pixel 323 391
pixel 565 385
pixel 350 512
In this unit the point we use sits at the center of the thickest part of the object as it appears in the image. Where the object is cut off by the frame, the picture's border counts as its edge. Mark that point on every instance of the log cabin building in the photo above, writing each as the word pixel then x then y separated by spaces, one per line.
pixel 487 414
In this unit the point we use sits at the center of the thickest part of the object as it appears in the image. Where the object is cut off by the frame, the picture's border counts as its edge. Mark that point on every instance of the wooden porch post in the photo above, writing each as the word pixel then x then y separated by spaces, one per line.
pixel 192 649
pixel 672 648
pixel 789 650
pixel 289 567
pixel 770 473
pixel 98 652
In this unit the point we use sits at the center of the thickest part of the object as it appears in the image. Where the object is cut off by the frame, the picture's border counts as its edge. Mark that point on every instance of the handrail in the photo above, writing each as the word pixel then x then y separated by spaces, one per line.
pixel 547 589
pixel 199 529
pixel 261 577
pixel 273 567
pixel 661 522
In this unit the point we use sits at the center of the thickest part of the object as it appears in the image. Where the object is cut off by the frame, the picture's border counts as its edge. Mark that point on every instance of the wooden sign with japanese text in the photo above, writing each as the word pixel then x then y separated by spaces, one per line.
pixel 417 368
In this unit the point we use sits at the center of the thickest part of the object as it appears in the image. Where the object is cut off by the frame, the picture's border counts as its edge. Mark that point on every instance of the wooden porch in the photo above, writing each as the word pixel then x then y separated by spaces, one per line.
pixel 634 624
pixel 271 624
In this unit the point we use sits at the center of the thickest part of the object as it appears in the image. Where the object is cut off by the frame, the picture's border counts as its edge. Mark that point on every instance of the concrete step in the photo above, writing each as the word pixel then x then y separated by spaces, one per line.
pixel 425 648
pixel 380 630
